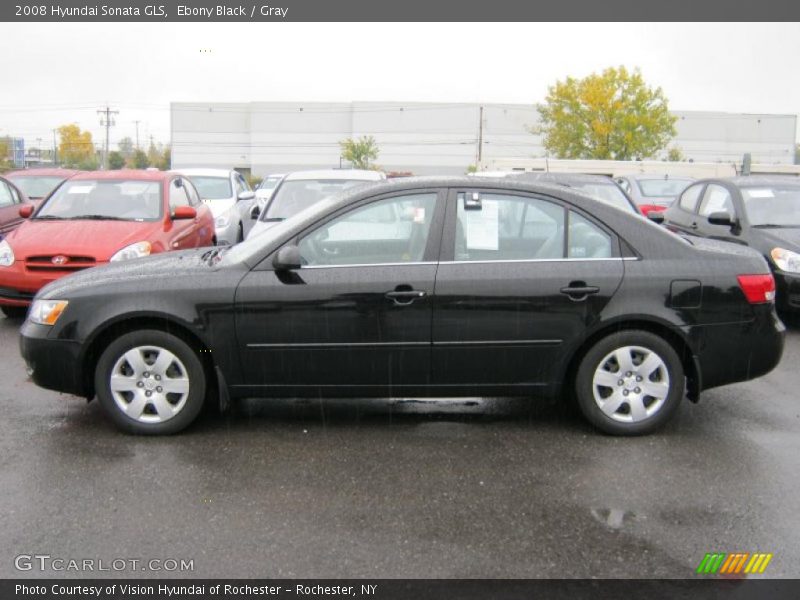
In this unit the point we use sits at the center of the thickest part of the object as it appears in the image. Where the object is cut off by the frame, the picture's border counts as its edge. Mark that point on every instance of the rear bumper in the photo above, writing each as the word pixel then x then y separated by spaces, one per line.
pixel 52 364
pixel 734 352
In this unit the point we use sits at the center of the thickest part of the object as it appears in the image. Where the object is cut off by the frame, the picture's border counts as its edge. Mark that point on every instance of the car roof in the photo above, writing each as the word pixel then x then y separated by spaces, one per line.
pixel 203 172
pixel 759 180
pixel 563 177
pixel 352 174
pixel 132 174
pixel 646 176
pixel 43 172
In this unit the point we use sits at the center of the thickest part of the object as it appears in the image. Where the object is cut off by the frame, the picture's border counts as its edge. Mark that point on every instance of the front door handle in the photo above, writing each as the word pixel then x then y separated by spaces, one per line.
pixel 403 297
pixel 578 290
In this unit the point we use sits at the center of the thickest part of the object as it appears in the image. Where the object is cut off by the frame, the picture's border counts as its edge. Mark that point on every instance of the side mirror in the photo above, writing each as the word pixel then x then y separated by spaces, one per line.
pixel 656 216
pixel 25 211
pixel 246 195
pixel 721 217
pixel 184 212
pixel 255 212
pixel 287 259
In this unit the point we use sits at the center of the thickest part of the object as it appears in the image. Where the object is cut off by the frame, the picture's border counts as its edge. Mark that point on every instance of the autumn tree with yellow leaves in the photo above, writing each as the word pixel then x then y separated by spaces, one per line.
pixel 610 116
pixel 75 148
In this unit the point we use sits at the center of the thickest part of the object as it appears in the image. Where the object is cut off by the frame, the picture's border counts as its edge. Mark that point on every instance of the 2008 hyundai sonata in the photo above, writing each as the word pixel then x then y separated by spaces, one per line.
pixel 419 287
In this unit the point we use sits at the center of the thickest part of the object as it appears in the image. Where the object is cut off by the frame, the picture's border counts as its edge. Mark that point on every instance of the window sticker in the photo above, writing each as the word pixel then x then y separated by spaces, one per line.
pixel 80 189
pixel 482 227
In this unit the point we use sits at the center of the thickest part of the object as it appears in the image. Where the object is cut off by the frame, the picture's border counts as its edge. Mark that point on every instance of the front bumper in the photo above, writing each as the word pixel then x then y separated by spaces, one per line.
pixel 787 290
pixel 18 285
pixel 52 364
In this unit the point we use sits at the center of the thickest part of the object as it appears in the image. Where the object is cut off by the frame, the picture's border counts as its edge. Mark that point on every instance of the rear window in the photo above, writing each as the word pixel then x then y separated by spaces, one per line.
pixel 212 188
pixel 664 188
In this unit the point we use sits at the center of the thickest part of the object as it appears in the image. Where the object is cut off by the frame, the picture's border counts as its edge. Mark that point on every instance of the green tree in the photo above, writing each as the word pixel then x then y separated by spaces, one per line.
pixel 75 147
pixel 139 160
pixel 125 146
pixel 115 160
pixel 675 154
pixel 359 152
pixel 611 116
pixel 165 160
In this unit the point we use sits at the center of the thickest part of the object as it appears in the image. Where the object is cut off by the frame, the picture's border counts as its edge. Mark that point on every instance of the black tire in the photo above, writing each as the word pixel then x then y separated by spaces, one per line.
pixel 596 358
pixel 188 359
pixel 240 234
pixel 15 312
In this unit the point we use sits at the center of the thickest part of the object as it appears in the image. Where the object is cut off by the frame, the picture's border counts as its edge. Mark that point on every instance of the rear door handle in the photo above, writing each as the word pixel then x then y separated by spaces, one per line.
pixel 579 292
pixel 405 296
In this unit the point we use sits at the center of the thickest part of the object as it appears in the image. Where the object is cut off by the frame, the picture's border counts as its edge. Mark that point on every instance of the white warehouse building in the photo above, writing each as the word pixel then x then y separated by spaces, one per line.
pixel 426 138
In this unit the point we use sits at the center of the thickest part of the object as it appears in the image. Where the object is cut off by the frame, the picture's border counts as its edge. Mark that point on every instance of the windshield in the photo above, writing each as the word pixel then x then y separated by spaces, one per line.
pixel 776 206
pixel 130 200
pixel 212 188
pixel 295 196
pixel 607 193
pixel 665 188
pixel 269 183
pixel 36 187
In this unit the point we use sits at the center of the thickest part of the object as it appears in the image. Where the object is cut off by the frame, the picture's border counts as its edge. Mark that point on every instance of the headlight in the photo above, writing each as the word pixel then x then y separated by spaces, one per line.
pixel 786 260
pixel 137 250
pixel 222 221
pixel 46 312
pixel 6 254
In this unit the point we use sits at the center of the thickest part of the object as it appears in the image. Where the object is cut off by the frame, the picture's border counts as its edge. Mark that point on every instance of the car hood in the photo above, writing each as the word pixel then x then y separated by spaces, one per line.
pixel 260 227
pixel 165 266
pixel 98 239
pixel 765 239
pixel 219 207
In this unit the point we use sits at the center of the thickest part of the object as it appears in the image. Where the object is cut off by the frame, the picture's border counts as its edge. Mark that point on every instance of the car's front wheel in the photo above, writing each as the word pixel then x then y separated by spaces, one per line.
pixel 630 383
pixel 150 382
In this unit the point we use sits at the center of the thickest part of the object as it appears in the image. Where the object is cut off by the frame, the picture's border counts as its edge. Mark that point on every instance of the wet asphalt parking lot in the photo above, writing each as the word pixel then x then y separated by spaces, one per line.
pixel 402 488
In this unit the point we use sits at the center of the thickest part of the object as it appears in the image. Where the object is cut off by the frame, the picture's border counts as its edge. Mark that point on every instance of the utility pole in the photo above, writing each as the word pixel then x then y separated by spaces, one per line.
pixel 55 149
pixel 137 133
pixel 106 120
pixel 480 138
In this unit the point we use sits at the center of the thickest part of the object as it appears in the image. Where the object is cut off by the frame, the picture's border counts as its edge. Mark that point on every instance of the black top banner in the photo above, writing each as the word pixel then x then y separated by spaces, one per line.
pixel 406 10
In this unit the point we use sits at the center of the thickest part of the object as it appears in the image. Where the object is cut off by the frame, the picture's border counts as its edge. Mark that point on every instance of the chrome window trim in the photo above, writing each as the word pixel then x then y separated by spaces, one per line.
pixel 389 264
pixel 471 262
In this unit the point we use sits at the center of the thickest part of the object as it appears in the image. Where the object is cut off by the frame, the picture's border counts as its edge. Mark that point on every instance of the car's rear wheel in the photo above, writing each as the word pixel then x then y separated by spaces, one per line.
pixel 15 312
pixel 150 382
pixel 630 383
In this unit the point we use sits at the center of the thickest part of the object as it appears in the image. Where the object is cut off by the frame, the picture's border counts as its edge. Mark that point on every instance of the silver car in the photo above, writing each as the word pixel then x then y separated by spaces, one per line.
pixel 230 199
pixel 266 187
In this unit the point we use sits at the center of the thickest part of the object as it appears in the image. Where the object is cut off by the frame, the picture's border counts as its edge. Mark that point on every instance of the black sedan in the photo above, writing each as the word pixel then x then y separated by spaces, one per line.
pixel 418 287
pixel 761 212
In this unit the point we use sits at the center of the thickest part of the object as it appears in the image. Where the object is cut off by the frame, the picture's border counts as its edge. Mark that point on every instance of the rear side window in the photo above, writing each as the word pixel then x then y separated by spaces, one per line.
pixel 688 201
pixel 502 227
pixel 586 240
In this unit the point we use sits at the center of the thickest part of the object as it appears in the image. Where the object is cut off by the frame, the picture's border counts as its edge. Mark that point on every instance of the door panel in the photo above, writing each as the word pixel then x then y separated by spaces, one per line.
pixel 505 321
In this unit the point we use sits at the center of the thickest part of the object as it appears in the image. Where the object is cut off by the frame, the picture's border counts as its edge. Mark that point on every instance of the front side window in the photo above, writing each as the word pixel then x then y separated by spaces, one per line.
pixel 716 199
pixel 177 195
pixel 501 227
pixel 6 197
pixel 134 200
pixel 393 230
pixel 688 201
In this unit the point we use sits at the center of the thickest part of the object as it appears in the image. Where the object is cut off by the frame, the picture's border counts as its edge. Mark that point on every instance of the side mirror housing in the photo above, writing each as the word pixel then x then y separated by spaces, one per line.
pixel 656 216
pixel 25 211
pixel 255 212
pixel 287 259
pixel 721 217
pixel 184 212
pixel 246 195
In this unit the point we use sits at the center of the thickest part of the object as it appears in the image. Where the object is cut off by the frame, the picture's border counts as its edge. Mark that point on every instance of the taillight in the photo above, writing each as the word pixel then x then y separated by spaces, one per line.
pixel 758 289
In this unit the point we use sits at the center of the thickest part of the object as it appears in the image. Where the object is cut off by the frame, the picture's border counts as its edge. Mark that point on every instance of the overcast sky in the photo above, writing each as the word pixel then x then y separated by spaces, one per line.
pixel 58 73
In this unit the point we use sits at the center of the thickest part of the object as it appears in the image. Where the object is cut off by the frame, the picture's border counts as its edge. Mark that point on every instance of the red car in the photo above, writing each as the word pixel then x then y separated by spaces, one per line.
pixel 95 218
pixel 11 200
pixel 38 183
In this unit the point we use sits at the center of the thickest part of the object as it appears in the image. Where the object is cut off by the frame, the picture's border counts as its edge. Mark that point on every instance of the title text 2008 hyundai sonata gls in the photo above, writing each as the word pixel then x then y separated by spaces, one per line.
pixel 421 287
